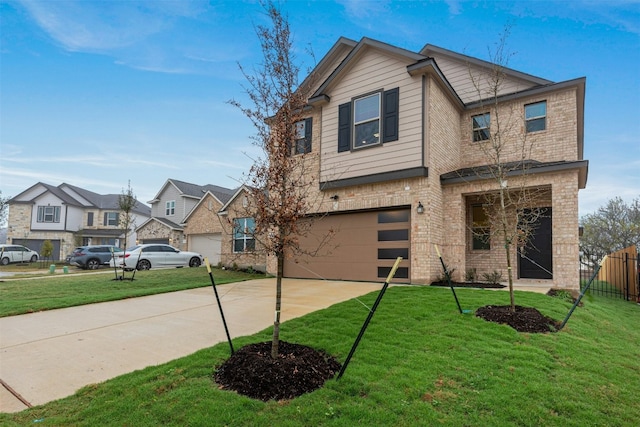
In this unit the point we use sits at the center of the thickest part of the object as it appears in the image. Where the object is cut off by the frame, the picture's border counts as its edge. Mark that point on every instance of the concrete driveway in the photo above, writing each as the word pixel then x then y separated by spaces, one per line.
pixel 49 355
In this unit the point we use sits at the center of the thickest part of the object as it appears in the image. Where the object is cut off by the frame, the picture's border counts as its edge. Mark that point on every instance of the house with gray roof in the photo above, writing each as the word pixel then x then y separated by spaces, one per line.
pixel 184 215
pixel 69 216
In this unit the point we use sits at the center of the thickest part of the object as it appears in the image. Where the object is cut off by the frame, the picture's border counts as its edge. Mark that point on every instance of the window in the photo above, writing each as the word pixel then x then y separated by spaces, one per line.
pixel 481 127
pixel 170 208
pixel 302 144
pixel 243 240
pixel 368 120
pixel 89 219
pixel 535 116
pixel 111 218
pixel 480 229
pixel 48 213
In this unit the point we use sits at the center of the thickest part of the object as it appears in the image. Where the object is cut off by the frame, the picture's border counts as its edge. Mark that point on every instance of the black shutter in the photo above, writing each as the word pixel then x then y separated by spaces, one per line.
pixel 307 134
pixel 344 127
pixel 105 219
pixel 390 115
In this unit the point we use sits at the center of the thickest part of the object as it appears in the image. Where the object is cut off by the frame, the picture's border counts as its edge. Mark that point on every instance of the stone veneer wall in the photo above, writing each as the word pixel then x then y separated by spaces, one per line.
pixel 19 222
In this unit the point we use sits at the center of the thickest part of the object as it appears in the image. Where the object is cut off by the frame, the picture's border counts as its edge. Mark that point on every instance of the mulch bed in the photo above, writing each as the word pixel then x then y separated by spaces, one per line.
pixel 298 369
pixel 524 319
pixel 470 285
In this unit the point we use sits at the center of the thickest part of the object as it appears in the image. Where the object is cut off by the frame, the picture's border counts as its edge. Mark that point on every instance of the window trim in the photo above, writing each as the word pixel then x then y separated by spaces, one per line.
pixel 244 233
pixel 302 145
pixel 535 119
pixel 108 219
pixel 170 208
pixel 355 123
pixel 42 214
pixel 477 133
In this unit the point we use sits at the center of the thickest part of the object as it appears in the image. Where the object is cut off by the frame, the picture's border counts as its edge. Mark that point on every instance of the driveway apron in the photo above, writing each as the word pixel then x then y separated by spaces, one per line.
pixel 49 355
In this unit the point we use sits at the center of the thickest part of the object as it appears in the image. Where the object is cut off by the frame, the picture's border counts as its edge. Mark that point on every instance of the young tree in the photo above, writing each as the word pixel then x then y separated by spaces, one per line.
pixel 126 202
pixel 279 183
pixel 46 250
pixel 612 227
pixel 512 211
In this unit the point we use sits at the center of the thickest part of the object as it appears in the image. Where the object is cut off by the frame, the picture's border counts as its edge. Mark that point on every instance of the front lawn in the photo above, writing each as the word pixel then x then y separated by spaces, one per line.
pixel 420 363
pixel 26 295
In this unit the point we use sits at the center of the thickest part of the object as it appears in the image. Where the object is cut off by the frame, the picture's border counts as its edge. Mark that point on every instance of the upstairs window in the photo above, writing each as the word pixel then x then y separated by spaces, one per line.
pixel 89 219
pixel 535 116
pixel 111 219
pixel 243 239
pixel 480 125
pixel 48 213
pixel 170 208
pixel 302 143
pixel 368 120
pixel 480 228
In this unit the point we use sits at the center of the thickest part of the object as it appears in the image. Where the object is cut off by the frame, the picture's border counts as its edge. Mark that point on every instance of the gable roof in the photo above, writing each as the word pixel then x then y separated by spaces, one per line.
pixel 190 190
pixel 422 62
pixel 225 197
pixel 90 199
pixel 165 222
pixel 353 55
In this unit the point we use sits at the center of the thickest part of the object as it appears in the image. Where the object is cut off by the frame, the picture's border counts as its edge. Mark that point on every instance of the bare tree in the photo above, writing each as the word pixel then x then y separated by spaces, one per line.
pixel 513 210
pixel 279 183
pixel 4 208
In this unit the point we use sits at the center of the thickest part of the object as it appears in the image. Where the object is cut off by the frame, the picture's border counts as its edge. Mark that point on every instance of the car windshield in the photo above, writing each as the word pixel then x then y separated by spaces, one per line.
pixel 133 248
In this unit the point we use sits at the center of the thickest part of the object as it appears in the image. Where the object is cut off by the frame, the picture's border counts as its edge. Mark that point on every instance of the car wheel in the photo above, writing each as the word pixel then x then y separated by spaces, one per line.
pixel 93 264
pixel 143 265
pixel 34 258
pixel 4 261
pixel 194 262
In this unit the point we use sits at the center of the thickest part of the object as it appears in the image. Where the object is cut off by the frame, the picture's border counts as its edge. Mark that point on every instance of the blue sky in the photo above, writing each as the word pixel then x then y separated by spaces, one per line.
pixel 97 94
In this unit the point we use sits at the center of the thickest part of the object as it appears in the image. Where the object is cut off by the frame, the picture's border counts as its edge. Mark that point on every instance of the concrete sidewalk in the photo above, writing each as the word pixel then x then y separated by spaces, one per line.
pixel 49 355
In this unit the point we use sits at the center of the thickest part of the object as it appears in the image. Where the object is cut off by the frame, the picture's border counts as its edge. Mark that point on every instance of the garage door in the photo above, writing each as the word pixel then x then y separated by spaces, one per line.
pixel 209 245
pixel 364 247
pixel 36 245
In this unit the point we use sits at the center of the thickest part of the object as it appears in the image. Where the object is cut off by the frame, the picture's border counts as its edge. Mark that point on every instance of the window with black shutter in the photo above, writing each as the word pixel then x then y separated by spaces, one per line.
pixel 368 120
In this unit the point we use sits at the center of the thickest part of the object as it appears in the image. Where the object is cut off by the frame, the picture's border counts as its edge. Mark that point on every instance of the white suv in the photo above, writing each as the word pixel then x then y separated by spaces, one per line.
pixel 17 253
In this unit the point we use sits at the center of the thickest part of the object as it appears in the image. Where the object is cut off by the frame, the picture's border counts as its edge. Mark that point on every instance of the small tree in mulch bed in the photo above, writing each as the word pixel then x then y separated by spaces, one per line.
pixel 279 185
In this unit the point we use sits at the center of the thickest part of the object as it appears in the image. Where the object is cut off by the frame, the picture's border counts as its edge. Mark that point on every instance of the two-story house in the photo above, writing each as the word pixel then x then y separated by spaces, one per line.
pixel 184 215
pixel 397 139
pixel 68 216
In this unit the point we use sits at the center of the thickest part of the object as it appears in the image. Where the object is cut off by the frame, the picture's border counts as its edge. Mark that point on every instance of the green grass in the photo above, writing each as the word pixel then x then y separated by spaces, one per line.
pixel 27 295
pixel 419 363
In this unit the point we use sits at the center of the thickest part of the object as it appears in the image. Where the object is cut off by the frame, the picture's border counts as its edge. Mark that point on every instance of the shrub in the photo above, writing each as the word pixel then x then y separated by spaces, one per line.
pixel 494 278
pixel 471 275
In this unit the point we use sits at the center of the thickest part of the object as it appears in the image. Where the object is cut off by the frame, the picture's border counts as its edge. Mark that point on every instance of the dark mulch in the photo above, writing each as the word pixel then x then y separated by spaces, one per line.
pixel 524 319
pixel 470 285
pixel 298 369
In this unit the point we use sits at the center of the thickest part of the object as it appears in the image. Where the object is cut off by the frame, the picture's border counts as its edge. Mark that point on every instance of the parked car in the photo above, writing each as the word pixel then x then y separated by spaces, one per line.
pixel 93 256
pixel 17 253
pixel 143 257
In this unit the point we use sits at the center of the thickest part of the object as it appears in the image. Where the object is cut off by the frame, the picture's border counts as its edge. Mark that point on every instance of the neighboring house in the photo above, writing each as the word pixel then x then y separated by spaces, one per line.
pixel 69 216
pixel 396 138
pixel 240 247
pixel 184 215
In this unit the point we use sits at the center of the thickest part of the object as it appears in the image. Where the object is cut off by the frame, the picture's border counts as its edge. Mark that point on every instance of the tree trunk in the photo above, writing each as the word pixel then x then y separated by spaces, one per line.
pixel 276 322
pixel 507 246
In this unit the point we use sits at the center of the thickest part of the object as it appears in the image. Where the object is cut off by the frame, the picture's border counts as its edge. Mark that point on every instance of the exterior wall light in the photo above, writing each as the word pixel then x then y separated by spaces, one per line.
pixel 420 208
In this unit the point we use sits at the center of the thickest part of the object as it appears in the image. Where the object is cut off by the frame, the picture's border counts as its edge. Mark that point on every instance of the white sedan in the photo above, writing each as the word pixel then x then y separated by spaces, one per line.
pixel 144 257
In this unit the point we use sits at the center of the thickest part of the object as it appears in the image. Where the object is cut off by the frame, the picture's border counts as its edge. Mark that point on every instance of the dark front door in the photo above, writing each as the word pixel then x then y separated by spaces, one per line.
pixel 535 260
